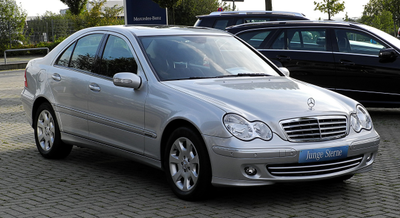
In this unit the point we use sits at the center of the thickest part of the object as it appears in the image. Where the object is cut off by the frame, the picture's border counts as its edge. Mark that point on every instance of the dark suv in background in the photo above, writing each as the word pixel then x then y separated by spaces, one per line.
pixel 353 59
pixel 221 20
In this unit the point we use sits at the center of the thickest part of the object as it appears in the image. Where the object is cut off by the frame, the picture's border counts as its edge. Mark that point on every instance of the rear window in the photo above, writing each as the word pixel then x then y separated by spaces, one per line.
pixel 221 24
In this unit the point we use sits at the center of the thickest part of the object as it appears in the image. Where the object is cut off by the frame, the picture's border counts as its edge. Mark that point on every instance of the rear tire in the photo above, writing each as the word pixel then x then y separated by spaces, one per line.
pixel 47 134
pixel 187 165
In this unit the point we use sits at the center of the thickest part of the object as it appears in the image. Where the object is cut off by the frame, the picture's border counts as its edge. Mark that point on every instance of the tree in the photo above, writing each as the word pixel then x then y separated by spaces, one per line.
pixel 96 17
pixel 54 25
pixel 268 5
pixel 393 6
pixel 383 22
pixel 184 12
pixel 76 7
pixel 112 12
pixel 167 3
pixel 12 22
pixel 332 7
pixel 187 10
pixel 170 5
pixel 374 11
pixel 372 8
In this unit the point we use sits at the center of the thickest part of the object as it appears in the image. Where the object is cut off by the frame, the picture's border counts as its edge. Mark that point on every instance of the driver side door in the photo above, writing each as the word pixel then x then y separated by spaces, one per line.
pixel 117 113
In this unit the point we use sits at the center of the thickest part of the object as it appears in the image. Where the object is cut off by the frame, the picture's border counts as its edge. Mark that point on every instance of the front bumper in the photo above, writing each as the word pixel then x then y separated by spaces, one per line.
pixel 231 157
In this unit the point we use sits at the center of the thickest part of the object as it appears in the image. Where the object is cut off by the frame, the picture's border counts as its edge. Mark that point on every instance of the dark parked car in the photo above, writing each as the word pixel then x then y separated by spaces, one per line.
pixel 221 20
pixel 353 59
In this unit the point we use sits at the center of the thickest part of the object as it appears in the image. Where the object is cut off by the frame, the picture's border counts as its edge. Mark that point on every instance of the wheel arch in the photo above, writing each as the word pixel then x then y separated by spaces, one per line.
pixel 39 101
pixel 170 128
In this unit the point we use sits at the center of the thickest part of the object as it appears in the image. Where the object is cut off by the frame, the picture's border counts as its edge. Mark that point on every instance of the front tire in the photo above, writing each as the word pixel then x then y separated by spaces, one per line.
pixel 47 134
pixel 187 164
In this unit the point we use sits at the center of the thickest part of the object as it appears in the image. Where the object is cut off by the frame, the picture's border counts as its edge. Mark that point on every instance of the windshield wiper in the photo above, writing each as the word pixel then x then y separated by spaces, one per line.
pixel 252 74
pixel 243 74
pixel 230 75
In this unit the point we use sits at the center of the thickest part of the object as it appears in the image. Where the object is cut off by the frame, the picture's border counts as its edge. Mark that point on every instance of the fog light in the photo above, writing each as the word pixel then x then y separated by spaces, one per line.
pixel 251 171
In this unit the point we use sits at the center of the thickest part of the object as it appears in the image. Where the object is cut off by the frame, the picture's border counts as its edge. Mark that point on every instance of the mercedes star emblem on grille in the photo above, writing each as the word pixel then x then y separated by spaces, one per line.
pixel 311 103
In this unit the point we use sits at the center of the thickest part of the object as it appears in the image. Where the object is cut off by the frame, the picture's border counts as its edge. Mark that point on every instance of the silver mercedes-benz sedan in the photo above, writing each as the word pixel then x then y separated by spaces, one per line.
pixel 203 106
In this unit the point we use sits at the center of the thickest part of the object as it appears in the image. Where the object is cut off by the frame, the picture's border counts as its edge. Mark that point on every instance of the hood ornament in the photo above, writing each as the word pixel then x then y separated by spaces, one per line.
pixel 310 103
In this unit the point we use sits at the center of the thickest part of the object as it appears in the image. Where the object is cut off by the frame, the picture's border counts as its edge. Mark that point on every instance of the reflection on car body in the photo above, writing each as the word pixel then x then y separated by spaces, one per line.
pixel 197 103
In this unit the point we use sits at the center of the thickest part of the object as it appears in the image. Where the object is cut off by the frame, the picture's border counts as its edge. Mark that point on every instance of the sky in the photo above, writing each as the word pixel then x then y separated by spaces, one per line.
pixel 354 8
pixel 39 7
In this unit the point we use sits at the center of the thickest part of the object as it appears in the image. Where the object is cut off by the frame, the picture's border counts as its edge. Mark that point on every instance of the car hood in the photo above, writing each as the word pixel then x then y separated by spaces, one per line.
pixel 270 99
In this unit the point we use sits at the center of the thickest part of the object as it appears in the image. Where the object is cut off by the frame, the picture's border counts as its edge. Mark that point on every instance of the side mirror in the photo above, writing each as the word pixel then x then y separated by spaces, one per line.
pixel 128 80
pixel 285 71
pixel 387 54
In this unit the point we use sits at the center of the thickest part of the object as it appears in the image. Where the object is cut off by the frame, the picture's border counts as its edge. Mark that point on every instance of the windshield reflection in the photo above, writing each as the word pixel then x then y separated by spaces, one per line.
pixel 193 57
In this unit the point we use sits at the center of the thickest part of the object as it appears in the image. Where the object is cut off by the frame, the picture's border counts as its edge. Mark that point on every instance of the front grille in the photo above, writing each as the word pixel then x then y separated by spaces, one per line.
pixel 315 168
pixel 315 128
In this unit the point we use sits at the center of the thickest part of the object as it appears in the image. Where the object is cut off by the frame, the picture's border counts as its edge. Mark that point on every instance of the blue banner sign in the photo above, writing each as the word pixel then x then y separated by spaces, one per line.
pixel 144 12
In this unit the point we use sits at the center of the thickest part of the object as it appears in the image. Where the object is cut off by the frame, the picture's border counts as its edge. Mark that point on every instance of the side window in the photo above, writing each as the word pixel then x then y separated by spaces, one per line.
pixel 117 57
pixel 350 41
pixel 64 59
pixel 295 41
pixel 280 42
pixel 307 39
pixel 255 20
pixel 255 38
pixel 85 51
pixel 221 24
pixel 302 39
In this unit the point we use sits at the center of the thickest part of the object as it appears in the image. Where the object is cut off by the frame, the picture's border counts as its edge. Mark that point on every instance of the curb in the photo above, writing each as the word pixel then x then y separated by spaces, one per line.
pixel 14 66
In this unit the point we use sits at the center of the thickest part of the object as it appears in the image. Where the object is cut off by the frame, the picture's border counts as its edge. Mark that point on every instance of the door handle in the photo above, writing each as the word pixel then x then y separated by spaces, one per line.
pixel 56 77
pixel 94 87
pixel 347 63
pixel 283 58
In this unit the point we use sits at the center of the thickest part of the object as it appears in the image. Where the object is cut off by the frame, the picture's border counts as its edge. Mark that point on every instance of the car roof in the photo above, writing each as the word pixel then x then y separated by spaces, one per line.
pixel 251 13
pixel 159 30
pixel 289 23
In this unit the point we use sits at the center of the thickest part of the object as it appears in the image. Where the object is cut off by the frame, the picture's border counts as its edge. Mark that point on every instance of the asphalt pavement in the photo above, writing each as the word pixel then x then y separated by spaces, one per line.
pixel 90 183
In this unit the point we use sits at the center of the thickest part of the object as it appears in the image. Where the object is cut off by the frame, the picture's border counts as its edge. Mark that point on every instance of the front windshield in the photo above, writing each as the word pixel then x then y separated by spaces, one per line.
pixel 391 39
pixel 194 57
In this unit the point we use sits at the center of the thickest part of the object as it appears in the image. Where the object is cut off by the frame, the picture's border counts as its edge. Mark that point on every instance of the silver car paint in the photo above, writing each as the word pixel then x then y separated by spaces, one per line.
pixel 202 103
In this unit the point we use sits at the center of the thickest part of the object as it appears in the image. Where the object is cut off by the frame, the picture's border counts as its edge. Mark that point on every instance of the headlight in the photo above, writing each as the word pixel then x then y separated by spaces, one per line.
pixel 361 119
pixel 245 130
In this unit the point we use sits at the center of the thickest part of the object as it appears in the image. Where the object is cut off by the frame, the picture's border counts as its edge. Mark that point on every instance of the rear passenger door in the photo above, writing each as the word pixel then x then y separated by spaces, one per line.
pixel 68 82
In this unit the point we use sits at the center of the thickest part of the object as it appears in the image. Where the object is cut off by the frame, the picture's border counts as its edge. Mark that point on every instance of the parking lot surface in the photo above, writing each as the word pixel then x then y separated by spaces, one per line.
pixel 89 183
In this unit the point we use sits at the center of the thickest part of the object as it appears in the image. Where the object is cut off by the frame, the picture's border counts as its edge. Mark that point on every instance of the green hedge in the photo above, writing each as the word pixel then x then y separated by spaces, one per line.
pixel 43 52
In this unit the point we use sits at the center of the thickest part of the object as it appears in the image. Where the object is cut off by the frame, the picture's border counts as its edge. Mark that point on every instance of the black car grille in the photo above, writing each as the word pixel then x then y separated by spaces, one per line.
pixel 315 168
pixel 315 128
